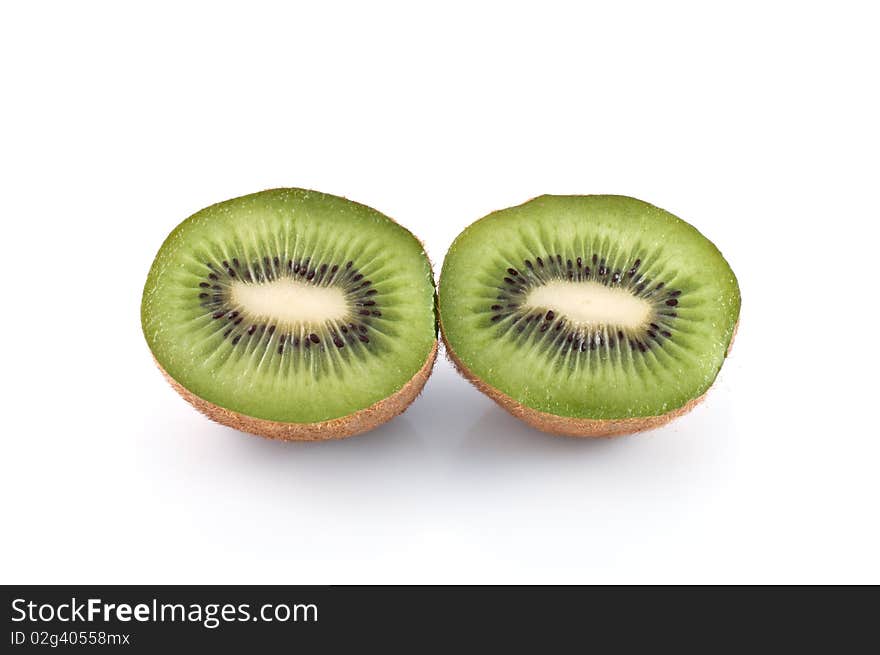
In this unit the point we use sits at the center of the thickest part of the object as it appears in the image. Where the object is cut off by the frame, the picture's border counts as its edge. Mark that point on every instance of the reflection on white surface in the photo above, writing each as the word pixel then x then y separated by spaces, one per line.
pixel 455 471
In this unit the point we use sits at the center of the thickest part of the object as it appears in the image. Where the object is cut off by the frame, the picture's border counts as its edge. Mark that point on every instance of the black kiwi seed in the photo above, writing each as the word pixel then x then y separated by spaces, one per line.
pixel 204 285
pixel 218 314
pixel 252 329
pixel 339 343
pixel 203 295
pixel 495 308
pixel 528 264
pixel 314 338
pixel 513 271
pixel 236 339
pixel 674 294
pixel 495 318
pixel 364 339
pixel 509 281
pixel 540 262
pixel 672 302
pixel 550 315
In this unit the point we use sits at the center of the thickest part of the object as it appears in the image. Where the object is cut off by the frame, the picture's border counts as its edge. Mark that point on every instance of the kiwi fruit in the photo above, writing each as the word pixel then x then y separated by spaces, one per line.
pixel 588 315
pixel 292 314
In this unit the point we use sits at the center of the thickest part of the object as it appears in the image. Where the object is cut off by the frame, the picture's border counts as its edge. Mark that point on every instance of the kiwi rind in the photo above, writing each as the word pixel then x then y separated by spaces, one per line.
pixel 339 428
pixel 574 419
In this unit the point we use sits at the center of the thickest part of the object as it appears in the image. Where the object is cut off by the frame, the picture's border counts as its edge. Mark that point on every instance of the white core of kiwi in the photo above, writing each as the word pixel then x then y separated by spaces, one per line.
pixel 290 301
pixel 590 304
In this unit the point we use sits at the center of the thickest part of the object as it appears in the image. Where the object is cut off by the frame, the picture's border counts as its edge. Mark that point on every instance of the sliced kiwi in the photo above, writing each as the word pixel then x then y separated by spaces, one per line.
pixel 588 315
pixel 292 314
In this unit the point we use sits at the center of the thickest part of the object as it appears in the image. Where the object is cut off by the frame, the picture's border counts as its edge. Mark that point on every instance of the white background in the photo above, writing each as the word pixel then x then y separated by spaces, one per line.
pixel 757 123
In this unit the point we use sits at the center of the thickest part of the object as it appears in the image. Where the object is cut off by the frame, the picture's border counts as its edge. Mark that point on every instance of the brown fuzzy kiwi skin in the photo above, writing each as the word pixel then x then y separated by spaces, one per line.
pixel 337 428
pixel 565 425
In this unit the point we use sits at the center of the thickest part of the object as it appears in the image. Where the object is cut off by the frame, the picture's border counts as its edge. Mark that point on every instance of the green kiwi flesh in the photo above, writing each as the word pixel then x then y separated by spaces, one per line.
pixel 292 307
pixel 588 315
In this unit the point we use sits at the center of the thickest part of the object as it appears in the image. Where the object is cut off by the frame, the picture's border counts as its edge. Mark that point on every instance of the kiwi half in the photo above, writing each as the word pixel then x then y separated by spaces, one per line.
pixel 588 315
pixel 292 314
